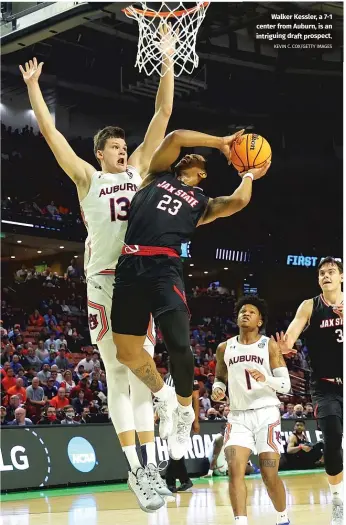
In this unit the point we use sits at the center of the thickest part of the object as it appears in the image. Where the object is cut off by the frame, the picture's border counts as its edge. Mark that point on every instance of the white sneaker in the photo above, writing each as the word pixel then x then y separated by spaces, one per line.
pixel 140 484
pixel 158 484
pixel 338 512
pixel 178 440
pixel 165 411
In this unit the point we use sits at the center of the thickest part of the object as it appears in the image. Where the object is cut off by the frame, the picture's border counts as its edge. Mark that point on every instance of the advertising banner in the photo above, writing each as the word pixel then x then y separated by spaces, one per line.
pixel 44 456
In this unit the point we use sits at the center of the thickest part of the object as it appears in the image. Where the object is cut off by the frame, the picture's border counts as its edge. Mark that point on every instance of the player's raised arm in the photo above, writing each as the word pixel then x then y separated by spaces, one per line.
pixel 76 168
pixel 140 158
pixel 227 206
pixel 302 318
pixel 221 374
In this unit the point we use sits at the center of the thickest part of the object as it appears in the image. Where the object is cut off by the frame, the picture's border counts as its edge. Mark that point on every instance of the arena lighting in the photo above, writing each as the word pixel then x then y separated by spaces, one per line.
pixel 225 268
pixel 232 255
pixel 75 256
pixel 19 242
pixel 61 247
pixel 192 265
pixel 13 256
pixel 39 251
pixel 18 223
pixel 205 272
pixel 190 274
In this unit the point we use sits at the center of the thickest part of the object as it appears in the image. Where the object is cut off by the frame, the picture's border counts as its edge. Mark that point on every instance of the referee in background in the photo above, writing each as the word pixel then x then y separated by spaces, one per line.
pixel 176 469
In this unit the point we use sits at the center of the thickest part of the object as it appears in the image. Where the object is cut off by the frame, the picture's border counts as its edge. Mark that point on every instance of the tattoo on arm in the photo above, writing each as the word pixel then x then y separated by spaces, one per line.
pixel 221 372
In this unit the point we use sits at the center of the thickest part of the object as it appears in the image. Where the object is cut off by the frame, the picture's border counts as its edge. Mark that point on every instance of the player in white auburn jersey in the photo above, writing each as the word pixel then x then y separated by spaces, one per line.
pixel 105 197
pixel 255 369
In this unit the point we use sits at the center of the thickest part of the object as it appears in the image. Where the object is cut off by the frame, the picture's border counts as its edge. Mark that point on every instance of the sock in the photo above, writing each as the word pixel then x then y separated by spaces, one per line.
pixel 149 454
pixel 132 457
pixel 241 520
pixel 281 517
pixel 337 491
pixel 164 393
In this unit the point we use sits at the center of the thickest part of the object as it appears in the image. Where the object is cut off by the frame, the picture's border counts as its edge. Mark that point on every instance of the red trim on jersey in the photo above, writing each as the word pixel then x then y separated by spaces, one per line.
pixel 227 433
pixel 107 272
pixel 104 321
pixel 270 438
pixel 150 332
pixel 136 249
pixel 315 411
pixel 182 296
pixel 323 300
pixel 332 380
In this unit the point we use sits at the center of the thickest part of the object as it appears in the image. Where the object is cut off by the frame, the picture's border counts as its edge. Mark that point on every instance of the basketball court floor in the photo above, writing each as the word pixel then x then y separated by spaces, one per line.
pixel 309 502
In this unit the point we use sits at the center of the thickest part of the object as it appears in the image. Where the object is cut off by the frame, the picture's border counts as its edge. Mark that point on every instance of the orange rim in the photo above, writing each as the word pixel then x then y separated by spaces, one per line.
pixel 165 14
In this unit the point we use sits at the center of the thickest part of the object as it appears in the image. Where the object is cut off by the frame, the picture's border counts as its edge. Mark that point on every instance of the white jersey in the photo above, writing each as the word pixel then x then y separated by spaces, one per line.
pixel 105 214
pixel 244 392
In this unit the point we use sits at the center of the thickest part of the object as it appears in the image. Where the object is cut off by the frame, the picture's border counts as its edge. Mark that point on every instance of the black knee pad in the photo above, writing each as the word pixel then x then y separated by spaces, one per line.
pixel 175 328
pixel 331 427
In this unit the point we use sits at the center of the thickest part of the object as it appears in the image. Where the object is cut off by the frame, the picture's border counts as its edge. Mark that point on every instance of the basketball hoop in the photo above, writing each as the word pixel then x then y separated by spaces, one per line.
pixel 181 30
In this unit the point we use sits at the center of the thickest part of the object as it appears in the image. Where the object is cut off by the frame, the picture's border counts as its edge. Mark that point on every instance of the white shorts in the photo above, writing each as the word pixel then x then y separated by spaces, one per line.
pixel 100 293
pixel 259 429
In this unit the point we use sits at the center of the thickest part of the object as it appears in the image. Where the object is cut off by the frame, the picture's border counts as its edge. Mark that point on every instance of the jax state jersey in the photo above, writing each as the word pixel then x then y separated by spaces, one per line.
pixel 105 213
pixel 324 338
pixel 244 392
pixel 165 213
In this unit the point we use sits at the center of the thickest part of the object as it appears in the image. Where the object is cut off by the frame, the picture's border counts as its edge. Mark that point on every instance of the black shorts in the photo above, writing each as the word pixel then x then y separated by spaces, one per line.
pixel 146 285
pixel 327 400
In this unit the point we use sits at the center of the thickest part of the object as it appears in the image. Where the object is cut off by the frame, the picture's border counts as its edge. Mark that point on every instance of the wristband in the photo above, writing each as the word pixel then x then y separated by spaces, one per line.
pixel 248 175
pixel 210 472
pixel 219 384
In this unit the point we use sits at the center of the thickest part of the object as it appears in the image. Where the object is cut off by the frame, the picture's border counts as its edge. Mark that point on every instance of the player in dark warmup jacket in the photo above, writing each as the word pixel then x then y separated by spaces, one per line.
pixel 149 276
pixel 323 318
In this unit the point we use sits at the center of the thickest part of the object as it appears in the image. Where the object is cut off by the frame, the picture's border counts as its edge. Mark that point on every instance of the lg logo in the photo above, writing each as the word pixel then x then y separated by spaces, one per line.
pixel 18 460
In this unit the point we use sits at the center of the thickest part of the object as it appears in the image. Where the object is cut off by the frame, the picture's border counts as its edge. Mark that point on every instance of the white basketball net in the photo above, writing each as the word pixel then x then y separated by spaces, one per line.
pixel 182 30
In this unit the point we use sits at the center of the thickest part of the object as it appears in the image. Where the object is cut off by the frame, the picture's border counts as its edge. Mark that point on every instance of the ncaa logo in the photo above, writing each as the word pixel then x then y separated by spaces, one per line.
pixel 81 454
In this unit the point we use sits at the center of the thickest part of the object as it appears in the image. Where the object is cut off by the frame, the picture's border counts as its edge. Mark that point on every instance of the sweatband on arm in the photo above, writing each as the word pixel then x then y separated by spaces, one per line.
pixel 219 384
pixel 280 382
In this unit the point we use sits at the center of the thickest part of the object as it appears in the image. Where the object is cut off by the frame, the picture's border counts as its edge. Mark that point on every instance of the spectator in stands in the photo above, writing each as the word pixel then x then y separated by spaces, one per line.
pixel 33 360
pixel 103 380
pixel 3 421
pixel 226 412
pixel 21 273
pixel 29 375
pixel 36 319
pixel 290 411
pixel 205 401
pixel 50 317
pixel 68 328
pixel 77 376
pixel 87 362
pixel 13 405
pixel 212 415
pixel 72 271
pixel 83 385
pixel 17 390
pixel 54 376
pixel 20 419
pixel 50 343
pixel 9 380
pixel 41 351
pixel 44 374
pixel 35 397
pixel 65 309
pixel 15 363
pixel 50 390
pixel 68 382
pixel 4 369
pixel 69 416
pixel 6 353
pixel 309 411
pixel 86 417
pixel 49 417
pixel 51 359
pixel 53 210
pixel 61 361
pixel 282 408
pixel 96 359
pixel 80 402
pixel 208 385
pixel 298 412
pixel 60 401
pixel 61 342
pixel 301 454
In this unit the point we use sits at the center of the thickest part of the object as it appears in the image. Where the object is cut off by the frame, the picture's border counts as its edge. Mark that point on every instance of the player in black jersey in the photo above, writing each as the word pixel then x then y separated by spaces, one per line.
pixel 323 318
pixel 149 276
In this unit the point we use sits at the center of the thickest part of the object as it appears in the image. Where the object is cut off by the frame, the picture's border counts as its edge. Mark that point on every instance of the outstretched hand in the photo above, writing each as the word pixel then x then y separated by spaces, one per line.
pixel 281 340
pixel 32 71
pixel 227 144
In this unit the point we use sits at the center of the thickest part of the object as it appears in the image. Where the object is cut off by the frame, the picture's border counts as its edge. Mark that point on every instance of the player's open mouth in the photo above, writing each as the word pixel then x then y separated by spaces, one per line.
pixel 121 161
pixel 326 282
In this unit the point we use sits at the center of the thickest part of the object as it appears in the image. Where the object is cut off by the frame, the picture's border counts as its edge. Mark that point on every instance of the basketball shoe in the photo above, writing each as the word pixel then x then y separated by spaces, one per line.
pixel 337 512
pixel 178 440
pixel 158 484
pixel 140 484
pixel 165 409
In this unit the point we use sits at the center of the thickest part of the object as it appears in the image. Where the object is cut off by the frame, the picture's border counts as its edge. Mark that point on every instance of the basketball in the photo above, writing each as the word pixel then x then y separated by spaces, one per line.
pixel 250 151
